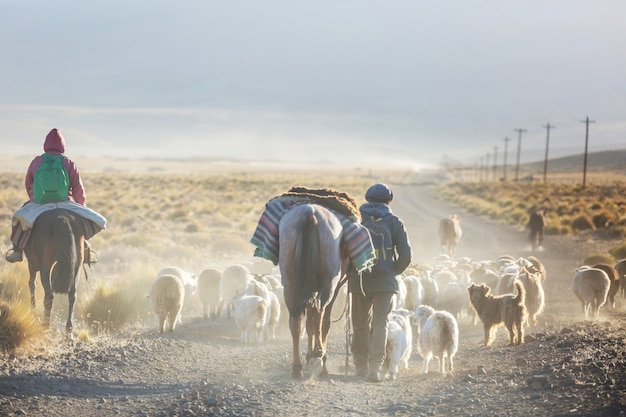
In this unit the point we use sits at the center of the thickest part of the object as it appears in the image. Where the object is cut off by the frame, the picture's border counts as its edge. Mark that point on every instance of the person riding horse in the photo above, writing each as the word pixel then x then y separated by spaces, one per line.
pixel 54 147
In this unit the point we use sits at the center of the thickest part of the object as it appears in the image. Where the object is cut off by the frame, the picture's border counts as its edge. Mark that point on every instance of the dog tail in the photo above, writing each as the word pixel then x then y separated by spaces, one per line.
pixel 521 293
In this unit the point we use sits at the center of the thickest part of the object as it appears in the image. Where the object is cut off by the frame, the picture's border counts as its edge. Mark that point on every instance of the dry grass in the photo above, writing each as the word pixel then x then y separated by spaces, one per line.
pixel 18 325
pixel 108 310
pixel 571 209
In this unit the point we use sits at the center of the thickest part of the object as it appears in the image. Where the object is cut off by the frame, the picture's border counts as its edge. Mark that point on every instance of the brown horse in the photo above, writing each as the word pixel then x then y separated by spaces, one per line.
pixel 537 223
pixel 55 249
pixel 449 234
pixel 311 264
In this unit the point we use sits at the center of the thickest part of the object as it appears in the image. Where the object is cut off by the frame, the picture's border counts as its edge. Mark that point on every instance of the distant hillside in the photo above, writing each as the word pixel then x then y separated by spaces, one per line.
pixel 614 160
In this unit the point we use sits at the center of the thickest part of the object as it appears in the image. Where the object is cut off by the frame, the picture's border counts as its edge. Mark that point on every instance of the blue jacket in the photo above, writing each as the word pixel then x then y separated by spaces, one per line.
pixel 375 281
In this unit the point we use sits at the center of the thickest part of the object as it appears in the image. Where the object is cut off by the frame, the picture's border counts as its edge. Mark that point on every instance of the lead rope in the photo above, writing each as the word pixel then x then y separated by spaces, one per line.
pixel 348 332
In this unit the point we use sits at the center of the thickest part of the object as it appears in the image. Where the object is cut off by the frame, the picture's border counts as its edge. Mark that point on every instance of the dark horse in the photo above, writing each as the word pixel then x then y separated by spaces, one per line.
pixel 55 249
pixel 536 223
pixel 311 264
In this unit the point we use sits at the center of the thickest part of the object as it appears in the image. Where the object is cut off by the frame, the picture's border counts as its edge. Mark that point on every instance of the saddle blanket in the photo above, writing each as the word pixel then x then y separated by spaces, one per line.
pixel 355 237
pixel 28 213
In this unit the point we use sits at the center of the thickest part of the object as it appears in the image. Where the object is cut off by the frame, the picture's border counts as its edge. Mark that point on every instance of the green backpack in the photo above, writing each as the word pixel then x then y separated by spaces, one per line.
pixel 52 182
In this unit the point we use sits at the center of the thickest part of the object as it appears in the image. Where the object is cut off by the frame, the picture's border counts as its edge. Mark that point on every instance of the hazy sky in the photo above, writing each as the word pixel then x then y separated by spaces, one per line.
pixel 406 81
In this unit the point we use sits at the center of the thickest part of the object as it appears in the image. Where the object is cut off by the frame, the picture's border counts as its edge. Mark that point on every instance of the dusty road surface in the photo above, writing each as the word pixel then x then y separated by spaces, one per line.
pixel 568 366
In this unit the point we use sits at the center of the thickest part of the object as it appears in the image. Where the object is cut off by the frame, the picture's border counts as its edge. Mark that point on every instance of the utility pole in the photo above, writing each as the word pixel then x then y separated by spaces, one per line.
pixel 545 163
pixel 506 146
pixel 487 164
pixel 495 163
pixel 519 150
pixel 586 122
pixel 480 169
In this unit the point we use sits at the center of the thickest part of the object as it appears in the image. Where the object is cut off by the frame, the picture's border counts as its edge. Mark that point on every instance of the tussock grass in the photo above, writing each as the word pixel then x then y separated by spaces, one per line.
pixel 108 310
pixel 619 252
pixel 599 258
pixel 18 325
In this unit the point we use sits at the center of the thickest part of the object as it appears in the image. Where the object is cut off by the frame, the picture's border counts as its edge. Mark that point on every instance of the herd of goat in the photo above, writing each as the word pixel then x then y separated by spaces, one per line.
pixel 432 299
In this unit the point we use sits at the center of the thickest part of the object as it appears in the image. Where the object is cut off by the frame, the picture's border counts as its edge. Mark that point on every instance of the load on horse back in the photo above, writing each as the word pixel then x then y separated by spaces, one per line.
pixel 55 249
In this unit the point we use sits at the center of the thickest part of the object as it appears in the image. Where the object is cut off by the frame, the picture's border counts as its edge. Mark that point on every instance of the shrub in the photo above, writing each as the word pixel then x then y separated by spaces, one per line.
pixel 582 222
pixel 107 310
pixel 603 219
pixel 619 252
pixel 599 258
pixel 565 230
pixel 18 324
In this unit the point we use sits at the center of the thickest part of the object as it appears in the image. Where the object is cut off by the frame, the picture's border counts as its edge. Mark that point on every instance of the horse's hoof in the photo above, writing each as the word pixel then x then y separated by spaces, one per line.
pixel 297 374
pixel 315 366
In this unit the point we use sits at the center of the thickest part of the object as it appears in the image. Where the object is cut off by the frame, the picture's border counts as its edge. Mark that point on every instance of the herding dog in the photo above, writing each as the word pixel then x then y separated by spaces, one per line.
pixel 507 309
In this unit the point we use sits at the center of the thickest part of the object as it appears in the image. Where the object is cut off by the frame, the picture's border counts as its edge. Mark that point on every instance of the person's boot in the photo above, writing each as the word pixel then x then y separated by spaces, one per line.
pixel 14 255
pixel 91 257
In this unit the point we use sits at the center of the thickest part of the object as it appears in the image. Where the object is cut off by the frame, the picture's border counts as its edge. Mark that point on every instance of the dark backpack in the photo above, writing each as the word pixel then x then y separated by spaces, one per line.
pixel 51 180
pixel 381 233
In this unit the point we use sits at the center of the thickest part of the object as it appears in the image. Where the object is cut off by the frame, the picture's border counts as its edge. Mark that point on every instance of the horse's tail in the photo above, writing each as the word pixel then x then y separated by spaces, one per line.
pixel 306 263
pixel 63 273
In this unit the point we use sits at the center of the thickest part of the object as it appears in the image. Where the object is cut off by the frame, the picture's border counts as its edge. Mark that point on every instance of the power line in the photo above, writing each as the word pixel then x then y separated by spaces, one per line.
pixel 545 162
pixel 586 122
pixel 519 150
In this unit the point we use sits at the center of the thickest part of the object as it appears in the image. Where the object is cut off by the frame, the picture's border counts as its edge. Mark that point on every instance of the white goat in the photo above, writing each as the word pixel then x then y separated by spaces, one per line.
pixel 208 292
pixel 454 299
pixel 414 292
pixel 443 277
pixel 234 281
pixel 400 296
pixel 399 344
pixel 438 336
pixel 250 315
pixel 166 296
pixel 591 286
pixel 189 280
pixel 272 314
pixel 535 297
pixel 431 289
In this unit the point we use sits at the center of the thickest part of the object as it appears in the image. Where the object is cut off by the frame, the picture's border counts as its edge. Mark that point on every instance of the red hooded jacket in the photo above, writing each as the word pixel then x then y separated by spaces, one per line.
pixel 55 145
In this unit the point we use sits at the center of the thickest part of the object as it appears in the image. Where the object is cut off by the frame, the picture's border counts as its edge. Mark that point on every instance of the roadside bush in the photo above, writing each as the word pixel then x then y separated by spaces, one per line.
pixel 599 258
pixel 619 252
pixel 107 310
pixel 18 325
pixel 603 219
pixel 582 222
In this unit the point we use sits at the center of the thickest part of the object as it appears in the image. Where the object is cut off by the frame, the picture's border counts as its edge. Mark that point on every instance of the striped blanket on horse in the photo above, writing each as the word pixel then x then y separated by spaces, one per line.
pixel 355 236
pixel 25 217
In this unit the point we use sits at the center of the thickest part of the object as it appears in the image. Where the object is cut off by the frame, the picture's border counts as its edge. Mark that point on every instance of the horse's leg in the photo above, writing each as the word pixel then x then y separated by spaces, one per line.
pixel 294 327
pixel 44 274
pixel 315 347
pixel 71 296
pixel 325 330
pixel 32 284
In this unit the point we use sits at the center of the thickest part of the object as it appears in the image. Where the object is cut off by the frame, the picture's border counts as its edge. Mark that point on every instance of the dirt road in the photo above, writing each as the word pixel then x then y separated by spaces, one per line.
pixel 567 367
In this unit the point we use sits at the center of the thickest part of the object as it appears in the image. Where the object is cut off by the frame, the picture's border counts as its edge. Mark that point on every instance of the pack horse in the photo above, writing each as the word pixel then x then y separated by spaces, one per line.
pixel 311 264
